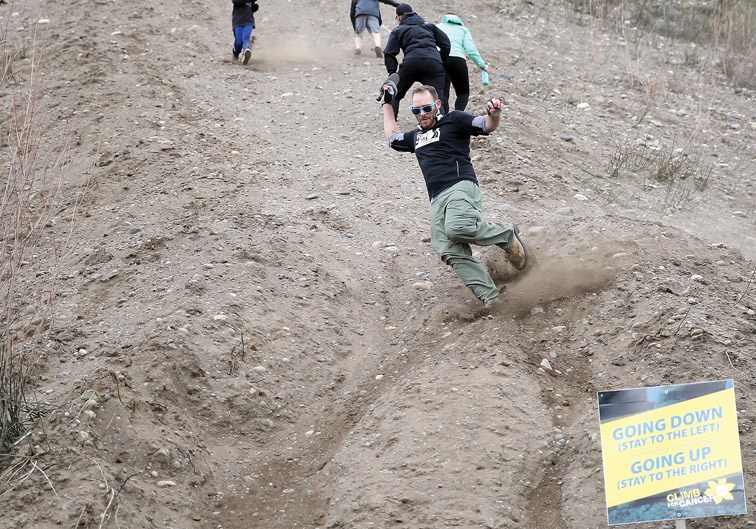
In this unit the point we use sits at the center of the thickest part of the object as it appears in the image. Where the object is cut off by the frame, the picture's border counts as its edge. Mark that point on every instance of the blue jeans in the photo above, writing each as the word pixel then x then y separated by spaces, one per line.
pixel 242 36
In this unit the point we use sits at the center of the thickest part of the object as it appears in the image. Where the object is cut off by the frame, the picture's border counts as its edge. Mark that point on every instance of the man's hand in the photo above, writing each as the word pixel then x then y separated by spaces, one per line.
pixel 386 96
pixel 388 90
pixel 494 107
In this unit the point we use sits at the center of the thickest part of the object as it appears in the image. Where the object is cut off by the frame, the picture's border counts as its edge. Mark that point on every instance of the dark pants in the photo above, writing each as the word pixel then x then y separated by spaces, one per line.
pixel 424 71
pixel 457 75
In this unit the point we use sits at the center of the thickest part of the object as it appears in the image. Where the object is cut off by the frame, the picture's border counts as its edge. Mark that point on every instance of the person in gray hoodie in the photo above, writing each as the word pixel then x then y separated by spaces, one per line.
pixel 367 14
pixel 462 46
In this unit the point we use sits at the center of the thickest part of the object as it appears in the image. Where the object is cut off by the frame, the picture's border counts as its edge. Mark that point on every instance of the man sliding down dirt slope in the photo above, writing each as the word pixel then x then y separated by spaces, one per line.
pixel 442 146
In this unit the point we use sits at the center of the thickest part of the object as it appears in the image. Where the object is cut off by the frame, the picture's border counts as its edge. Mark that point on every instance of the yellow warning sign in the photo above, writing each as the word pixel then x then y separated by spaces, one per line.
pixel 671 452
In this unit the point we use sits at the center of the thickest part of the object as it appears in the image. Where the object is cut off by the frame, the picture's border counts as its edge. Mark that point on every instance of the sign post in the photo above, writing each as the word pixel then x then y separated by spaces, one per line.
pixel 671 453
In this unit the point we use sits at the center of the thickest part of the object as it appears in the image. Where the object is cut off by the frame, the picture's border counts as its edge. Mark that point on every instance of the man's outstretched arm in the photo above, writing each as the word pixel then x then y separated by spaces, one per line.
pixel 396 140
pixel 390 127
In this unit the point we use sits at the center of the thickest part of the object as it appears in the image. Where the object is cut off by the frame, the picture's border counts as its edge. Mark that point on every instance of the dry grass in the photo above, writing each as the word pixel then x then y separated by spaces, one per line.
pixel 724 27
pixel 678 169
pixel 28 194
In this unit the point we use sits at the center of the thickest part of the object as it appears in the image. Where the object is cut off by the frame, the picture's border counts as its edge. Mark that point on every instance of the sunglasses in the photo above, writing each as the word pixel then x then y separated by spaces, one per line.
pixel 427 109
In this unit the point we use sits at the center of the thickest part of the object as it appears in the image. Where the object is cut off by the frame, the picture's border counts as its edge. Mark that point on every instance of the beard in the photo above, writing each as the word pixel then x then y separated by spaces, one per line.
pixel 427 121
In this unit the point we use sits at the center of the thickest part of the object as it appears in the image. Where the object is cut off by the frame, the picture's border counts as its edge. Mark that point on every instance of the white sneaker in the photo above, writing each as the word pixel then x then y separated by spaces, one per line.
pixel 246 56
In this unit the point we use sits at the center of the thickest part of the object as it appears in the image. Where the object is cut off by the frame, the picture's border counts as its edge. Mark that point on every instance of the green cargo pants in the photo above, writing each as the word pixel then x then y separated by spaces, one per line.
pixel 456 222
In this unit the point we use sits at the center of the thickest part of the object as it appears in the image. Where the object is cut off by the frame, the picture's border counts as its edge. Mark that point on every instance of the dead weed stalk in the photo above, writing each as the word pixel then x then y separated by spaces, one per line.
pixel 27 193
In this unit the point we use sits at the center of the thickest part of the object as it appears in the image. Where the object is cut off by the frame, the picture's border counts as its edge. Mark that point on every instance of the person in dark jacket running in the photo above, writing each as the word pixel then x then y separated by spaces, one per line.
pixel 367 14
pixel 426 48
pixel 441 144
pixel 243 24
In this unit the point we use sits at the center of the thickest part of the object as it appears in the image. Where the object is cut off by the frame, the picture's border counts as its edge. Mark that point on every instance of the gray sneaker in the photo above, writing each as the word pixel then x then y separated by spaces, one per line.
pixel 517 254
pixel 378 52
pixel 246 56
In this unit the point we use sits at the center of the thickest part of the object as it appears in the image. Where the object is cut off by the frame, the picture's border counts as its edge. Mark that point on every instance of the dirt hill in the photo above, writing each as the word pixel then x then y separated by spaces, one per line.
pixel 231 310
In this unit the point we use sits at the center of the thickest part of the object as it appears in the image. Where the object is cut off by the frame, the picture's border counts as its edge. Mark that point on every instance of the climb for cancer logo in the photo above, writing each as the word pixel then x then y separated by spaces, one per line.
pixel 717 492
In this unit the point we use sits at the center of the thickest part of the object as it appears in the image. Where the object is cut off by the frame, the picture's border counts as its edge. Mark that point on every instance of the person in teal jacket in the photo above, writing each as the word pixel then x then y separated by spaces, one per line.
pixel 462 46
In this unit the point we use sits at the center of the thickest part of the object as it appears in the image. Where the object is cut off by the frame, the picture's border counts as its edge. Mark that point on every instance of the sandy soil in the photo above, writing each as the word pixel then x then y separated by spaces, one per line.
pixel 250 329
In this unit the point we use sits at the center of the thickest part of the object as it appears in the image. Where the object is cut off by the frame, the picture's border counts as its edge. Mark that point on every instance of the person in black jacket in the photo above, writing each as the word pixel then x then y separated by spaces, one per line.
pixel 243 24
pixel 367 14
pixel 420 41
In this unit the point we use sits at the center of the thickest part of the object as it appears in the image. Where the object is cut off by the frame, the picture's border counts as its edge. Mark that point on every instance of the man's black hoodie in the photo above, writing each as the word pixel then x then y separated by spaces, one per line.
pixel 417 39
